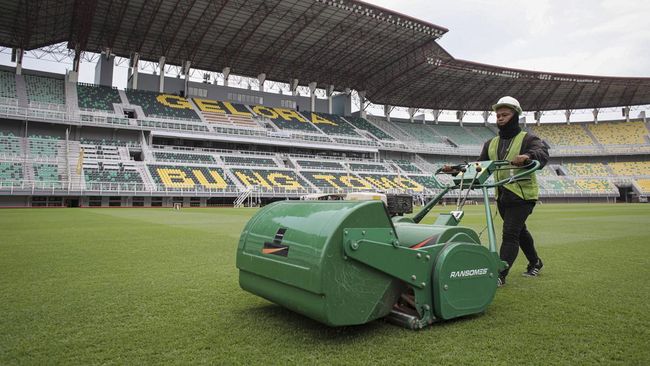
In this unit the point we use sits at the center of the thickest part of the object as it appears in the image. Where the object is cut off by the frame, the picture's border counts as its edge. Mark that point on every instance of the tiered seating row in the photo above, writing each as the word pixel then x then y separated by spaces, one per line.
pixel 7 84
pixel 407 166
pixel 193 178
pixel 98 97
pixel 631 168
pixel 421 132
pixel 331 124
pixel 364 124
pixel 43 89
pixel 248 161
pixel 563 134
pixel 173 126
pixel 162 105
pixel 100 152
pixel 587 169
pixel 269 179
pixel 118 175
pixel 325 165
pixel 10 145
pixel 183 157
pixel 10 173
pixel 47 173
pixel 458 134
pixel 43 146
pixel 620 133
pixel 358 167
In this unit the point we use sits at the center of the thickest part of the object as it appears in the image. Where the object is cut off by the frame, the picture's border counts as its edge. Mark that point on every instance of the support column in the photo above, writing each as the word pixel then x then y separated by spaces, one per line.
pixel 412 112
pixel 133 70
pixel 595 112
pixel 186 73
pixel 293 87
pixel 436 115
pixel 362 102
pixel 486 116
pixel 261 78
pixel 104 68
pixel 161 81
pixel 17 57
pixel 626 113
pixel 387 110
pixel 312 96
pixel 567 114
pixel 459 116
pixel 73 76
pixel 226 75
pixel 538 117
pixel 330 93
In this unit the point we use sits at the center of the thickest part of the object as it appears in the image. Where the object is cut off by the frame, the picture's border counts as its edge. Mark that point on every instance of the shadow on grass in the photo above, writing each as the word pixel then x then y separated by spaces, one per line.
pixel 293 322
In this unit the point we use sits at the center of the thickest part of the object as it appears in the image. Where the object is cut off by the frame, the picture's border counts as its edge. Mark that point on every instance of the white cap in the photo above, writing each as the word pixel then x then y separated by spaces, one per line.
pixel 509 102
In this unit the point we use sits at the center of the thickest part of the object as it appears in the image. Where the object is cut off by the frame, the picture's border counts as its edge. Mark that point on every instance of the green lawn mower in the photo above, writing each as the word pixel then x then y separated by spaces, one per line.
pixel 348 262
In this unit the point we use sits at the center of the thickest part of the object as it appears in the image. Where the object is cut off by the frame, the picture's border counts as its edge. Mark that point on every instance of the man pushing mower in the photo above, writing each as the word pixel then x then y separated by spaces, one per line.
pixel 515 201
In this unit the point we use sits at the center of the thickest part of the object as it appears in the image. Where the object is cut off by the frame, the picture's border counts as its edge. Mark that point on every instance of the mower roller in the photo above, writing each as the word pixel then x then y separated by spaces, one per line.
pixel 348 262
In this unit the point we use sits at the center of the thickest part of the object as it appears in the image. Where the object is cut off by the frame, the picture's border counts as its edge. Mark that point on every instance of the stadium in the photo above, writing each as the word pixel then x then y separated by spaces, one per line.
pixel 236 104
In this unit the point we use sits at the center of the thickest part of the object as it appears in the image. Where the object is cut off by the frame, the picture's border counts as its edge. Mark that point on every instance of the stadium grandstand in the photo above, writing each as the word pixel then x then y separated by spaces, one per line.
pixel 163 139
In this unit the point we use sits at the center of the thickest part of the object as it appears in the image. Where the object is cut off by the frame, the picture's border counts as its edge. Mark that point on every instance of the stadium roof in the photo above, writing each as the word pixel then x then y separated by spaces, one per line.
pixel 345 43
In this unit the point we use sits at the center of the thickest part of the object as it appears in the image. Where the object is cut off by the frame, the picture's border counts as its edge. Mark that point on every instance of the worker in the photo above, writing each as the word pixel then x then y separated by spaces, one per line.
pixel 515 201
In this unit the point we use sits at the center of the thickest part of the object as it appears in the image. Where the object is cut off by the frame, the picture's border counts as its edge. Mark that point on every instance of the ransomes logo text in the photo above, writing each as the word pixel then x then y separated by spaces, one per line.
pixel 469 273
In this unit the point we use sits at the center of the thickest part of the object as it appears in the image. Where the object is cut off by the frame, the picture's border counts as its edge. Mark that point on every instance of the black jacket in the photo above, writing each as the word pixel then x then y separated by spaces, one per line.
pixel 532 146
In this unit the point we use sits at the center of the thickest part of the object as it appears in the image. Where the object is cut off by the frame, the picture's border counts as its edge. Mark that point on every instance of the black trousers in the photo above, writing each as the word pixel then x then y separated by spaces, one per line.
pixel 515 233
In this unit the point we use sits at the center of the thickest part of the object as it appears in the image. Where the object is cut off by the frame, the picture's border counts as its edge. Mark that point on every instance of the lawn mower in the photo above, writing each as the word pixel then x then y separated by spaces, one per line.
pixel 348 262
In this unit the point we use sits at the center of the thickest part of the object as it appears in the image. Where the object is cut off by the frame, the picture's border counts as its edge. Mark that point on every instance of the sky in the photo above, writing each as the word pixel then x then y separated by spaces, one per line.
pixel 593 37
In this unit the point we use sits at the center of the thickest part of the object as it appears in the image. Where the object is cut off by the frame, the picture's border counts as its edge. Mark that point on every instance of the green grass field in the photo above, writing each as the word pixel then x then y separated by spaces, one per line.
pixel 151 286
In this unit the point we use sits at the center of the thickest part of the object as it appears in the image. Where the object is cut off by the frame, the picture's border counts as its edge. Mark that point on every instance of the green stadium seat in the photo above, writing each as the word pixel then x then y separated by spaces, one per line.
pixel 427 181
pixel 363 124
pixel 366 167
pixel 43 146
pixel 197 178
pixel 459 135
pixel 173 126
pixel 121 178
pixel 407 166
pixel 10 173
pixel 48 173
pixel 331 124
pixel 10 145
pixel 183 157
pixel 7 84
pixel 285 119
pixel 269 179
pixel 323 165
pixel 41 89
pixel 162 105
pixel 248 161
pixel 97 97
pixel 421 132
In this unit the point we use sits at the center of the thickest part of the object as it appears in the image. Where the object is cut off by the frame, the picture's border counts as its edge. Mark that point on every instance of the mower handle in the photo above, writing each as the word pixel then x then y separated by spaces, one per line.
pixel 531 166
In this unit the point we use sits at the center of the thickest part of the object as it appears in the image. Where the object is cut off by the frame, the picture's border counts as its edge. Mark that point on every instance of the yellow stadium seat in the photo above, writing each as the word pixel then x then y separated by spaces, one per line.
pixel 644 185
pixel 562 134
pixel 631 168
pixel 620 133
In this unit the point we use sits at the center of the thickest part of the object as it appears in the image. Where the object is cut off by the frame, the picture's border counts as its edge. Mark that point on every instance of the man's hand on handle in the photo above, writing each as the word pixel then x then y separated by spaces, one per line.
pixel 520 160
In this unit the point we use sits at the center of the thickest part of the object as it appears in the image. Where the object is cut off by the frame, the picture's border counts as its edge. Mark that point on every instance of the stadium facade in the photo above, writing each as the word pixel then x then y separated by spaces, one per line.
pixel 166 140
